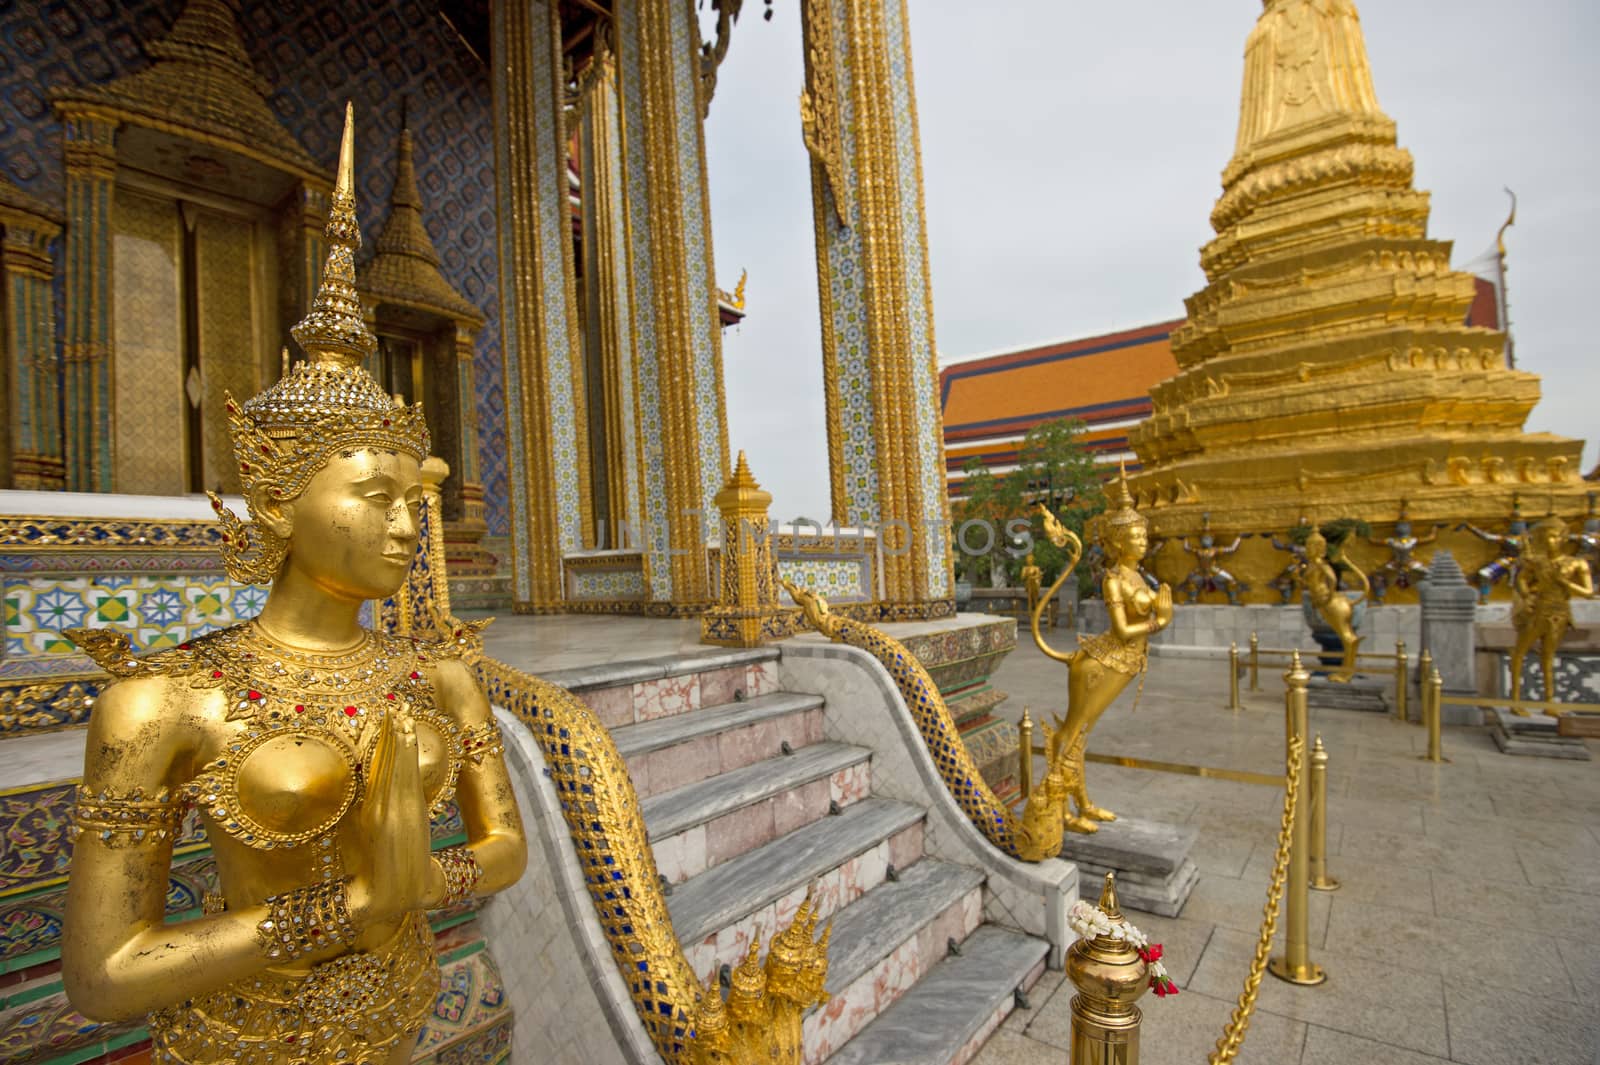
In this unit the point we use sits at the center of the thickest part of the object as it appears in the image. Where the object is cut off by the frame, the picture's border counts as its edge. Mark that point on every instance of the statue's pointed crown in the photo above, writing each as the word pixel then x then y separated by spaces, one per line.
pixel 1120 508
pixel 329 402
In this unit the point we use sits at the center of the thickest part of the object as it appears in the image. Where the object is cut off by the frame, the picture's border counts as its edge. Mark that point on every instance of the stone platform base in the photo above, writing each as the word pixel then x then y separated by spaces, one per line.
pixel 1151 860
pixel 1536 736
pixel 1362 693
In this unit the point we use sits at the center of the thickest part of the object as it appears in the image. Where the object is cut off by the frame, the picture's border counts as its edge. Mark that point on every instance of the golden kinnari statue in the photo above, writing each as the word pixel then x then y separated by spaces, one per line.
pixel 1104 663
pixel 1541 608
pixel 1321 582
pixel 313 749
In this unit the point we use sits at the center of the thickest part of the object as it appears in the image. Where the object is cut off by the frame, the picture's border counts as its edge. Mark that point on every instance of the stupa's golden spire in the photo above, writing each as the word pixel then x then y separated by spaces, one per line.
pixel 1327 362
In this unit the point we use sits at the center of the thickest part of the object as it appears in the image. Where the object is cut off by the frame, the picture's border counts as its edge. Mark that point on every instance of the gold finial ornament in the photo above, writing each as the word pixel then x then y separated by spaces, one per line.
pixel 761 1019
pixel 324 405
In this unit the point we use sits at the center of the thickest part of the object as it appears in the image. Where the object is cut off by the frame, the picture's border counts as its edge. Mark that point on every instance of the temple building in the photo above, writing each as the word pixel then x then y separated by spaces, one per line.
pixel 531 186
pixel 1328 368
pixel 990 401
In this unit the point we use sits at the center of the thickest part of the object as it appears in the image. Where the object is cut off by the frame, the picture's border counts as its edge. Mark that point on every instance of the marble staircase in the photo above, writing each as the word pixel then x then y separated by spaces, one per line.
pixel 747 802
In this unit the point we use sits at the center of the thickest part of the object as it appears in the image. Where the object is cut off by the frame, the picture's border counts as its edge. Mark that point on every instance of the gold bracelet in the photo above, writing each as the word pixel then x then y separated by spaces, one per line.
pixel 125 820
pixel 461 872
pixel 306 920
pixel 482 741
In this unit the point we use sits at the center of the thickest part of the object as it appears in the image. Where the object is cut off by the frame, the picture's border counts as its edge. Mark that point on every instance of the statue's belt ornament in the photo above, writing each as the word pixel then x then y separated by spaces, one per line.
pixel 353 1009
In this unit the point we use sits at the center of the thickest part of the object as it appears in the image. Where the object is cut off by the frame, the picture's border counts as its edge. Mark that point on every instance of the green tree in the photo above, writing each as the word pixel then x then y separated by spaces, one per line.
pixel 1055 468
pixel 990 501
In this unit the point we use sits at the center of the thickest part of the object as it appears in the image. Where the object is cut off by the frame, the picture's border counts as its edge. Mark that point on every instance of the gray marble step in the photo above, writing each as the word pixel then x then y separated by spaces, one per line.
pixel 695 804
pixel 663 732
pixel 932 1023
pixel 876 924
pixel 728 892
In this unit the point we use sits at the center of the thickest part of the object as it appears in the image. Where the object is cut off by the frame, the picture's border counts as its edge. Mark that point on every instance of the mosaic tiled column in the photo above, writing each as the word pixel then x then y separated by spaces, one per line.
pixel 548 463
pixel 610 312
pixel 91 166
pixel 300 251
pixel 683 447
pixel 33 443
pixel 884 433
pixel 464 462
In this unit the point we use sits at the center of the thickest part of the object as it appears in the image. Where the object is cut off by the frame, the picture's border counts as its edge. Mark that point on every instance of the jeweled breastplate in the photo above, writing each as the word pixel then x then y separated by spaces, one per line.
pixel 293 769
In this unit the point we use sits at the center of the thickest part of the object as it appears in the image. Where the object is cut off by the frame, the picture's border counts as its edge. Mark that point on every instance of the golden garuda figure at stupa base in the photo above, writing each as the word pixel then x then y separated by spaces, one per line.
pixel 313 749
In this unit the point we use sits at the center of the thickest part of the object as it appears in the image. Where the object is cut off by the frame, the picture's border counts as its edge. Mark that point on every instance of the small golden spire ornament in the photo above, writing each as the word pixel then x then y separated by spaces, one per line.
pixel 322 406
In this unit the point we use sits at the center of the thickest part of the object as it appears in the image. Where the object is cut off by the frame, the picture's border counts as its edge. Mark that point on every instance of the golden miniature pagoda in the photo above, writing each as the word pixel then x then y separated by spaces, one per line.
pixel 1326 368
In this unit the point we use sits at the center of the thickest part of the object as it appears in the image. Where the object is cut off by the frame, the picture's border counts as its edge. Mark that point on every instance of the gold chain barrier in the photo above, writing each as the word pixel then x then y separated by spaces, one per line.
pixel 1239 1023
pixel 1396 663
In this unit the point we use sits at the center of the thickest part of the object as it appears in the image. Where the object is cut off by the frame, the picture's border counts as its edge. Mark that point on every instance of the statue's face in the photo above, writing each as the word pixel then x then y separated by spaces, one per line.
pixel 355 526
pixel 1206 540
pixel 1132 543
pixel 1316 548
pixel 1549 539
pixel 1402 529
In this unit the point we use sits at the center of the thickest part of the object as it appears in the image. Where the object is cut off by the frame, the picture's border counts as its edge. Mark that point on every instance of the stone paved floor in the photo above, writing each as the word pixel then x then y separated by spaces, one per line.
pixel 1468 925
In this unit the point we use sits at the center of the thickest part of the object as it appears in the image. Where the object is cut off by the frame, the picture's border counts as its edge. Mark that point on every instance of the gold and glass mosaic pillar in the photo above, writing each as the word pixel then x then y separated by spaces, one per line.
pixel 682 428
pixel 608 308
pixel 91 167
pixel 466 457
pixel 30 451
pixel 859 121
pixel 546 437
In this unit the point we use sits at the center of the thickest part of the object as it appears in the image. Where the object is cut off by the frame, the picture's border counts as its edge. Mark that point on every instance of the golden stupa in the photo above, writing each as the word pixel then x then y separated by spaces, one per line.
pixel 1326 368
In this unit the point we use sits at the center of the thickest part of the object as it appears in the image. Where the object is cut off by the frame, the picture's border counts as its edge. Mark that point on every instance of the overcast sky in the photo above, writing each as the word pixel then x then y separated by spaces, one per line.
pixel 1071 157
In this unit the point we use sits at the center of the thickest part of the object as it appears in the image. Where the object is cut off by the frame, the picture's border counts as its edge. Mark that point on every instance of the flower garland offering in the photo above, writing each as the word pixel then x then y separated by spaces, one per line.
pixel 1090 921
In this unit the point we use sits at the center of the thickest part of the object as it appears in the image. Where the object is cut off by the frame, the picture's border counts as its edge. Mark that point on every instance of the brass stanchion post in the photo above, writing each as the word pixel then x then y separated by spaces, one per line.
pixel 1401 680
pixel 1110 976
pixel 1424 671
pixel 1320 880
pixel 1233 676
pixel 1025 753
pixel 1432 713
pixel 1295 964
pixel 1255 662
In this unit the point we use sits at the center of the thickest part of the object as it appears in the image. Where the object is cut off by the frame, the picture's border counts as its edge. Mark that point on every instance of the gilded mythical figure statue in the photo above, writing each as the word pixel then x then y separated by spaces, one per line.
pixel 1321 582
pixel 1400 569
pixel 1542 591
pixel 1208 574
pixel 1104 663
pixel 312 749
pixel 1508 548
pixel 1032 575
pixel 1288 582
pixel 1587 542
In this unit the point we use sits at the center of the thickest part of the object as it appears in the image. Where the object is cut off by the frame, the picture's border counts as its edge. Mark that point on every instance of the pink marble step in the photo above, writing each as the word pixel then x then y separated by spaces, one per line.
pixel 701 825
pixel 631 701
pixel 668 753
pixel 716 913
pixel 888 940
